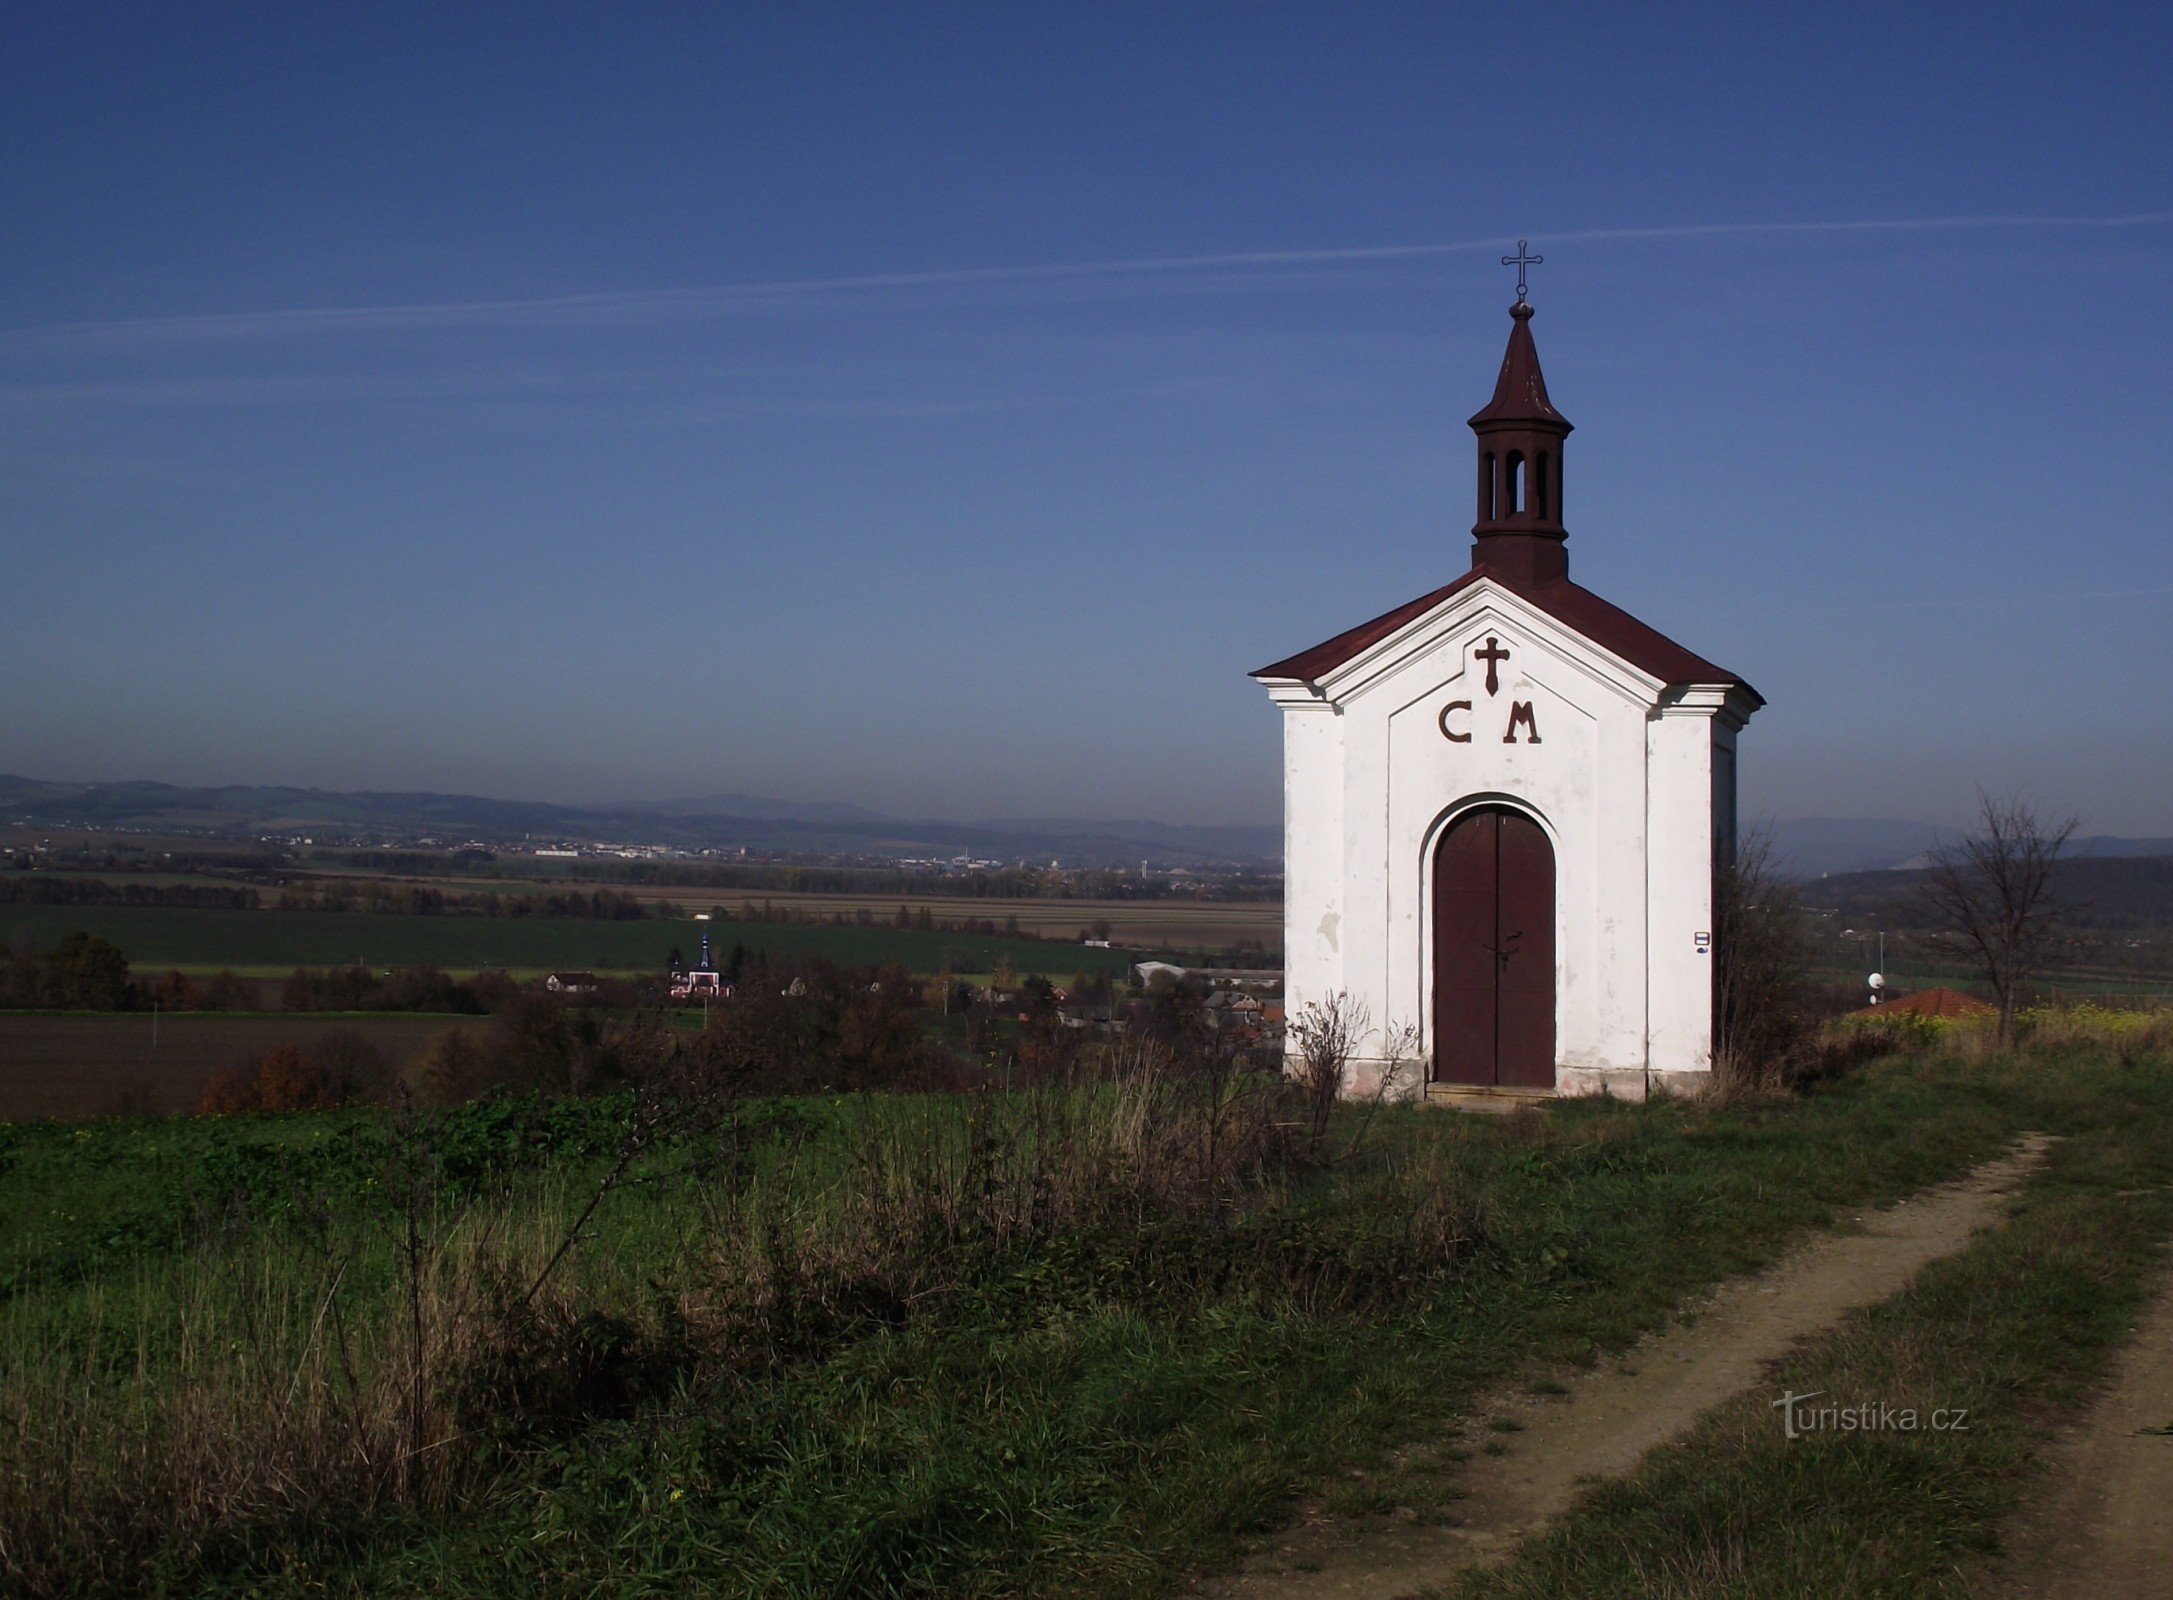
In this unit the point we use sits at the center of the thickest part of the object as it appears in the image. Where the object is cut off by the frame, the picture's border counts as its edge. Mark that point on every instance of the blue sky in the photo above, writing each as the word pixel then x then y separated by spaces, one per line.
pixel 943 408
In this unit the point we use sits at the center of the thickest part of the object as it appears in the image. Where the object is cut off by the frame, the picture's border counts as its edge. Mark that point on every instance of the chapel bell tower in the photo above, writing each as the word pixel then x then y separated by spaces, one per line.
pixel 1519 530
pixel 1506 806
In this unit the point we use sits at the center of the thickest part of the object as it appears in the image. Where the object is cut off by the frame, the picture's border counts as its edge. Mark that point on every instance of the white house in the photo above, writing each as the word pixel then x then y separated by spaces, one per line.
pixel 1505 805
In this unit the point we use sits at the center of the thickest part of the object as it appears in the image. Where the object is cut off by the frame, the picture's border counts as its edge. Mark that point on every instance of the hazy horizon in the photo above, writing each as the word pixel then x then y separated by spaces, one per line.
pixel 941 412
pixel 848 803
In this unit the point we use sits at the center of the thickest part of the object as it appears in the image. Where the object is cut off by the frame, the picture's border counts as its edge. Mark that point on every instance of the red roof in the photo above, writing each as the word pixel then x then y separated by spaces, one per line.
pixel 1608 626
pixel 1933 1003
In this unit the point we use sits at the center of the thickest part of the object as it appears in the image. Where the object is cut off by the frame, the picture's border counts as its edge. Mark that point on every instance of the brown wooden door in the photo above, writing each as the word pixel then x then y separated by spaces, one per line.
pixel 1494 951
pixel 1466 896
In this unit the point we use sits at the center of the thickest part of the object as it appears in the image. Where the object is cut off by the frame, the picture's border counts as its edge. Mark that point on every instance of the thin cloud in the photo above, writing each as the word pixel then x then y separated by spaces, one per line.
pixel 1214 273
pixel 1994 602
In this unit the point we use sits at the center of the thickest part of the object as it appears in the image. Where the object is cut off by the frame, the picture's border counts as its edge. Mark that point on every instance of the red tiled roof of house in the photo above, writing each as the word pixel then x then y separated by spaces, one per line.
pixel 1933 1003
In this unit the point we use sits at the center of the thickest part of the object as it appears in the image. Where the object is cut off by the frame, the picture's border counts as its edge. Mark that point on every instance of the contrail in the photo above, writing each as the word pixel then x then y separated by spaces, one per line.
pixel 1993 602
pixel 728 298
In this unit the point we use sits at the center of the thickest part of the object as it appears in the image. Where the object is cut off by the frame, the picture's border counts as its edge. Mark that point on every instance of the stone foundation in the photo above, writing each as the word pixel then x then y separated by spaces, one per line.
pixel 1630 1083
pixel 1407 1081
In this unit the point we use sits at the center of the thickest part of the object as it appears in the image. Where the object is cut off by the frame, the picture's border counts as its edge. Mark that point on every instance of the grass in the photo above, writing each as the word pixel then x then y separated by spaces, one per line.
pixel 270 943
pixel 2056 986
pixel 2008 1334
pixel 1080 1339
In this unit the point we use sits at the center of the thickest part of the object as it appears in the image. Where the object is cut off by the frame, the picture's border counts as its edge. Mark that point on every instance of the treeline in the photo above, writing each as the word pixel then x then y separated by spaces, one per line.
pixel 40 889
pixel 994 883
pixel 792 1027
pixel 421 900
pixel 255 863
pixel 2115 917
pixel 533 1044
pixel 413 863
pixel 222 991
pixel 416 988
pixel 86 973
pixel 797 1024
pixel 338 894
pixel 81 973
pixel 2097 893
pixel 909 918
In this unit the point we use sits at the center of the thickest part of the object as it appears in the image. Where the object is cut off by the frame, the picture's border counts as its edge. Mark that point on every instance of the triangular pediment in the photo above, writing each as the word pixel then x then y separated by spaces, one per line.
pixel 1455 623
pixel 1641 659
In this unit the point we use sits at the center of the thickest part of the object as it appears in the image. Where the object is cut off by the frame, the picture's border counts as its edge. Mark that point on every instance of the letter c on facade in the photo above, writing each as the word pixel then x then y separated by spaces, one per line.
pixel 1449 733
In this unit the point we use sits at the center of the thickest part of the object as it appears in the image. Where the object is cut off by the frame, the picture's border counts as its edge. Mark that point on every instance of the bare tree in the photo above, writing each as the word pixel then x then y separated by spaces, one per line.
pixel 1328 1034
pixel 1760 953
pixel 1990 895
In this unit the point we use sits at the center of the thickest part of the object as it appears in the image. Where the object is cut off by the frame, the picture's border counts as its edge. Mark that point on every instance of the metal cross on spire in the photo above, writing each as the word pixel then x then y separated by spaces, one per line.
pixel 1521 260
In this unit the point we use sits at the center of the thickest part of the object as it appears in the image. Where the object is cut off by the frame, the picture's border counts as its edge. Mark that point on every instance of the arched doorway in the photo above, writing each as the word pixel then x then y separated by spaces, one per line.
pixel 1494 951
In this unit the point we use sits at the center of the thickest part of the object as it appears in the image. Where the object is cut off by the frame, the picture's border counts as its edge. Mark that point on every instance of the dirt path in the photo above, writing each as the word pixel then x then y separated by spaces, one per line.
pixel 2104 1528
pixel 1611 1416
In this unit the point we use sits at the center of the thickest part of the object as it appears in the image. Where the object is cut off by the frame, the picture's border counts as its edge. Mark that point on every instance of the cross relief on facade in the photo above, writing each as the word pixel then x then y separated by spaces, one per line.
pixel 1493 655
pixel 1455 726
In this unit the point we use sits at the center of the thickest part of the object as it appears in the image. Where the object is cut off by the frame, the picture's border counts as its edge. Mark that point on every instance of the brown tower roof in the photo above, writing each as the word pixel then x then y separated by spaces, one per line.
pixel 1520 393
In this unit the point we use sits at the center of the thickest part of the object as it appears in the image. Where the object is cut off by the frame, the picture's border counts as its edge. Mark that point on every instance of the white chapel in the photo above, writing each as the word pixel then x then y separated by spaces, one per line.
pixel 1506 804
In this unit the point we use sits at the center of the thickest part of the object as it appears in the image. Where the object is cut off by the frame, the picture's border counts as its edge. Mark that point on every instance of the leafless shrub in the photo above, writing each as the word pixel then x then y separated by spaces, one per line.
pixel 1991 894
pixel 1817 1055
pixel 1327 1034
pixel 1760 953
pixel 1399 1050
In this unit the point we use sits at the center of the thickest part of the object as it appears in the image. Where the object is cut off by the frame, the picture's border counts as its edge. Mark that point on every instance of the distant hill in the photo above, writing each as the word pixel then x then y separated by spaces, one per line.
pixel 1814 847
pixel 2103 845
pixel 1130 839
pixel 758 808
pixel 2105 891
pixel 1805 848
pixel 718 822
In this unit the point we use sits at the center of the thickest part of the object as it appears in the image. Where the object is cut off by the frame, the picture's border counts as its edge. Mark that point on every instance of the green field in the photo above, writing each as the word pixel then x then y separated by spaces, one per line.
pixel 1070 1341
pixel 270 943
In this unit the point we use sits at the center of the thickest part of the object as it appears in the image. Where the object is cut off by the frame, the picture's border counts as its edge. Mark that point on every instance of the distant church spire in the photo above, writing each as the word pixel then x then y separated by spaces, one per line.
pixel 1519 533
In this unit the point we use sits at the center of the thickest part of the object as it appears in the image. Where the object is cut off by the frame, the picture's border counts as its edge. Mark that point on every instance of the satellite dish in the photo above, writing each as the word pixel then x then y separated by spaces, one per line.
pixel 1878 980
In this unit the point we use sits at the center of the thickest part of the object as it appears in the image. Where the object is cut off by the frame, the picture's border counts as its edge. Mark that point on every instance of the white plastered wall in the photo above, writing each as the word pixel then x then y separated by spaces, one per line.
pixel 1626 778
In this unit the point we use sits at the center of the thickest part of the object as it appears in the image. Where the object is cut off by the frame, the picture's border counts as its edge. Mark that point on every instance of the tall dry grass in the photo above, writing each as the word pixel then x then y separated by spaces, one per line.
pixel 318 1370
pixel 252 1382
pixel 2130 1032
